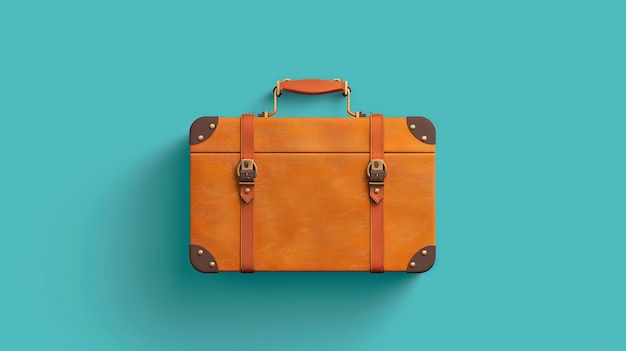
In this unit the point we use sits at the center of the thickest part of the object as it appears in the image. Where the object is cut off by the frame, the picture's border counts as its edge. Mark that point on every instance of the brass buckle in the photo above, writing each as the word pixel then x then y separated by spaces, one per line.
pixel 247 170
pixel 377 171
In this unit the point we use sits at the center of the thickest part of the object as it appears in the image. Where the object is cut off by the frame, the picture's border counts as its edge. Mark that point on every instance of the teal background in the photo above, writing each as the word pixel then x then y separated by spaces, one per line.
pixel 529 103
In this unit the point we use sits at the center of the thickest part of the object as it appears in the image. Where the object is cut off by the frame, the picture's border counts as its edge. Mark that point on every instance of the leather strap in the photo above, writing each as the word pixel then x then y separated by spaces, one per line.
pixel 377 171
pixel 246 191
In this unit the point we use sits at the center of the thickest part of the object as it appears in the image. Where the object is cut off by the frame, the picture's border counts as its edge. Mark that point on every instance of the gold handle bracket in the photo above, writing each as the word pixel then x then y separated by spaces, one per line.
pixel 305 87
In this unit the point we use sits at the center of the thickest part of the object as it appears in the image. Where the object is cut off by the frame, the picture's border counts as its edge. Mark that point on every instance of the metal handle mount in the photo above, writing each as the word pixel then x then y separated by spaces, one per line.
pixel 312 87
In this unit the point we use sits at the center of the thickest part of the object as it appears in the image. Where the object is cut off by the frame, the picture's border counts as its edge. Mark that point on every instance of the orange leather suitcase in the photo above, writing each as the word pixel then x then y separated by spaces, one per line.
pixel 312 194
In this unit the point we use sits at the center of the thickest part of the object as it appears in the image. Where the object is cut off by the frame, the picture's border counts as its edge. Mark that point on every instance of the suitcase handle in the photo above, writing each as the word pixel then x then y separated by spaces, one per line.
pixel 312 87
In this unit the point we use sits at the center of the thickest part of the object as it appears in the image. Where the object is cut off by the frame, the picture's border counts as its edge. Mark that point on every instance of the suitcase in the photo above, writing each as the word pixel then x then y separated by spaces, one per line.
pixel 312 194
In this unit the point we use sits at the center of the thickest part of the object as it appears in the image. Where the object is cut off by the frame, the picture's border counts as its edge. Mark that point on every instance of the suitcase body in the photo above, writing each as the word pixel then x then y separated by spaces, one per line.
pixel 313 194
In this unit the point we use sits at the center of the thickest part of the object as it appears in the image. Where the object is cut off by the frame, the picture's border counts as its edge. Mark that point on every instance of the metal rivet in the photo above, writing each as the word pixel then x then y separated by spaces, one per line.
pixel 200 137
pixel 200 252
pixel 424 252
pixel 376 190
pixel 212 126
pixel 211 264
pixel 246 190
pixel 412 126
pixel 412 264
pixel 424 137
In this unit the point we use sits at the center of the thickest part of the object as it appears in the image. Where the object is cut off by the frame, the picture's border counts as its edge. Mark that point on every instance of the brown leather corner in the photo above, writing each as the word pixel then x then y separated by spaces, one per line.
pixel 422 129
pixel 422 261
pixel 202 260
pixel 201 129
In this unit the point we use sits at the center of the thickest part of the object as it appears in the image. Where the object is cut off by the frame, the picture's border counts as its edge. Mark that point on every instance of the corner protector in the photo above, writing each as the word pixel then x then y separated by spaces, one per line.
pixel 202 260
pixel 422 129
pixel 422 261
pixel 202 129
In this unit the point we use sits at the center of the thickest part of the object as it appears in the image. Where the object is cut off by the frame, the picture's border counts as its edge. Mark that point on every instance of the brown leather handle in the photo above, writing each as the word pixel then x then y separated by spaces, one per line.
pixel 312 86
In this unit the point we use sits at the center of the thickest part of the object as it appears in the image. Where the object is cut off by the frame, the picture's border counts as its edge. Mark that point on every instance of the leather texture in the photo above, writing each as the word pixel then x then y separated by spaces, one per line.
pixel 311 86
pixel 312 206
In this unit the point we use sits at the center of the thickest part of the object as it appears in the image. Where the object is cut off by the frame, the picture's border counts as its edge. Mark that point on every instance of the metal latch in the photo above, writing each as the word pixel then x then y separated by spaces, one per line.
pixel 247 170
pixel 377 171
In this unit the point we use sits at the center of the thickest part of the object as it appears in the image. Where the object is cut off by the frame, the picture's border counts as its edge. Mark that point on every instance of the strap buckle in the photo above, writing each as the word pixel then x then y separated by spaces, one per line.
pixel 377 171
pixel 247 170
